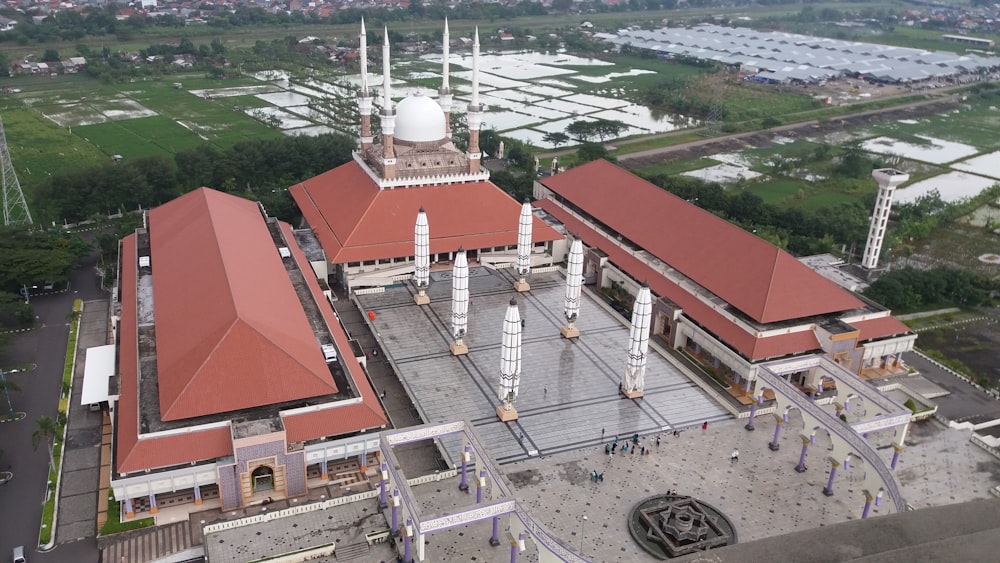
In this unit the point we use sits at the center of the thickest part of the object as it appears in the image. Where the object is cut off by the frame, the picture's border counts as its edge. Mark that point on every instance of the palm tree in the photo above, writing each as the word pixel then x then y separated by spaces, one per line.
pixel 46 431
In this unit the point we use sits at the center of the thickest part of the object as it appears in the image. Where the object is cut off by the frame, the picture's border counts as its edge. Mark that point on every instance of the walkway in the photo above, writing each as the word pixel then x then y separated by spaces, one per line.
pixel 568 390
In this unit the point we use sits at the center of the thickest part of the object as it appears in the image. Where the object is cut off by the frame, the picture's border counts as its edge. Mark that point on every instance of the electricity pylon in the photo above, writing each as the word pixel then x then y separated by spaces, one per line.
pixel 15 208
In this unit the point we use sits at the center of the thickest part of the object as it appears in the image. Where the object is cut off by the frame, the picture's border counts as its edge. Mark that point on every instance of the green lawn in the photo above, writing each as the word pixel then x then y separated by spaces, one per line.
pixel 975 125
pixel 776 191
pixel 39 147
pixel 678 166
pixel 134 138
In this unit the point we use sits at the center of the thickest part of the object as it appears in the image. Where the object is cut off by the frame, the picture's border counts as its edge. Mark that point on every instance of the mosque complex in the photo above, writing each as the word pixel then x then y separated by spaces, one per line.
pixel 490 312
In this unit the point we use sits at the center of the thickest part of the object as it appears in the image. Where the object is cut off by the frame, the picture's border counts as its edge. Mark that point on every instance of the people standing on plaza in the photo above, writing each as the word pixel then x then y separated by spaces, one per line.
pixel 520 438
pixel 635 438
pixel 735 456
pixel 677 434
pixel 657 441
pixel 614 447
pixel 602 433
pixel 643 452
pixel 704 425
pixel 616 438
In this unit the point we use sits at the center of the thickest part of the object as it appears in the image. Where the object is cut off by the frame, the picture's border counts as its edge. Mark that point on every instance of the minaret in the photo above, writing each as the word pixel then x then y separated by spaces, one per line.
pixel 888 179
pixel 421 258
pixel 364 94
pixel 634 379
pixel 574 283
pixel 523 247
pixel 475 111
pixel 460 303
pixel 388 115
pixel 510 363
pixel 444 94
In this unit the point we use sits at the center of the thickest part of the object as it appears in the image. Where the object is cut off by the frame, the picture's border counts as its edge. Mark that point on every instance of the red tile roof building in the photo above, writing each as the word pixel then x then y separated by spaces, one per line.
pixel 231 361
pixel 724 293
pixel 364 212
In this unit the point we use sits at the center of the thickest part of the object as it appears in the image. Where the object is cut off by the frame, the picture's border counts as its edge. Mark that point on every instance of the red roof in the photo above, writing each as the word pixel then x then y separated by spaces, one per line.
pixel 881 327
pixel 746 343
pixel 339 420
pixel 131 453
pixel 230 330
pixel 754 276
pixel 355 221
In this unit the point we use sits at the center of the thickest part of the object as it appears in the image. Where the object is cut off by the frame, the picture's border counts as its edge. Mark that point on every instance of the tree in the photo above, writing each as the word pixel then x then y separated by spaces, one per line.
pixel 581 130
pixel 50 55
pixel 605 128
pixel 46 431
pixel 591 151
pixel 556 138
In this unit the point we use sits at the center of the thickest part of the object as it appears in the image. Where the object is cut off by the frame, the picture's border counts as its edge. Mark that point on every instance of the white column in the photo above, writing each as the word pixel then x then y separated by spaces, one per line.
pixel 634 380
pixel 444 94
pixel 887 179
pixel 364 94
pixel 510 363
pixel 474 115
pixel 524 247
pixel 574 284
pixel 421 258
pixel 388 115
pixel 460 303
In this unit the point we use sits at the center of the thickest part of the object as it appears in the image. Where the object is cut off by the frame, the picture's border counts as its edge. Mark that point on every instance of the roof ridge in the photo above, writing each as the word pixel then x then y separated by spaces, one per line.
pixel 772 278
pixel 252 326
pixel 361 217
pixel 197 371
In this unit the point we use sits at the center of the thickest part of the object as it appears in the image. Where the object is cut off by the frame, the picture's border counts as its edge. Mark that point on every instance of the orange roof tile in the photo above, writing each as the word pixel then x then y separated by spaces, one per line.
pixel 754 276
pixel 230 331
pixel 881 327
pixel 747 344
pixel 131 453
pixel 339 420
pixel 355 221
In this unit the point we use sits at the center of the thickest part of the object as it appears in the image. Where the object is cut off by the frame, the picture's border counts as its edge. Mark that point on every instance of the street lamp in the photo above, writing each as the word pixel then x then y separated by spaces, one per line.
pixel 6 392
pixel 583 524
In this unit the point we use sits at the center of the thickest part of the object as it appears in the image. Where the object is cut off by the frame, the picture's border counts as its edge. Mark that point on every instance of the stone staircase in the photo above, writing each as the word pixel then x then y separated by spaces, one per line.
pixel 352 551
pixel 148 544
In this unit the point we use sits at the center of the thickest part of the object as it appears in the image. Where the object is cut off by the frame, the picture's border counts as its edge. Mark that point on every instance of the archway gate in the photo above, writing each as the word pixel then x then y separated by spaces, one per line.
pixel 848 439
pixel 494 501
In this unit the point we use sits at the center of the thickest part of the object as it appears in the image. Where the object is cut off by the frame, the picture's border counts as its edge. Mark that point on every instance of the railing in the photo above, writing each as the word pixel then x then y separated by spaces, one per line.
pixel 975 439
pixel 370 290
pixel 301 509
pixel 541 536
pixel 859 445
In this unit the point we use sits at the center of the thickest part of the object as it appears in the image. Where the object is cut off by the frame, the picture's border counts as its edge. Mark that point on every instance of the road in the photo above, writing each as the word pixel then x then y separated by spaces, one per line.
pixel 21 500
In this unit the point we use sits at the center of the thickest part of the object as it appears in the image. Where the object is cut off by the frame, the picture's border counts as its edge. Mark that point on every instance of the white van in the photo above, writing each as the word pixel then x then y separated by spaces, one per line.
pixel 19 554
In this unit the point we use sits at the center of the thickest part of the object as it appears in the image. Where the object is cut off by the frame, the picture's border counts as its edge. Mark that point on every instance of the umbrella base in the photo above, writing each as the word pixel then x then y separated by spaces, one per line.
pixel 569 332
pixel 506 414
pixel 458 349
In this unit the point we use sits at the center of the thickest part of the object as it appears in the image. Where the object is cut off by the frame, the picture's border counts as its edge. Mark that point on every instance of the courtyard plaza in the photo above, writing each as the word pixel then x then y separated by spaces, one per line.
pixel 761 493
pixel 568 388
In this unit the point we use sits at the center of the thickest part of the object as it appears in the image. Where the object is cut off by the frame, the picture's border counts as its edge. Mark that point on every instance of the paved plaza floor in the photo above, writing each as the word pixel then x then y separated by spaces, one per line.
pixel 569 388
pixel 761 493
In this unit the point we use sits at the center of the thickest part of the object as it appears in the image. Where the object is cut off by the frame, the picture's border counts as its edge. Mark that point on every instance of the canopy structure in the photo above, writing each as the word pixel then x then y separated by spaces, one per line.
pixel 99 367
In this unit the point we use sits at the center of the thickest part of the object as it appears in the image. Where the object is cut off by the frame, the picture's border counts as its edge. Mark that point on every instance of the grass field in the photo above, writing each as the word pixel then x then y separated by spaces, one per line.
pixel 679 166
pixel 776 191
pixel 39 147
pixel 134 138
pixel 975 126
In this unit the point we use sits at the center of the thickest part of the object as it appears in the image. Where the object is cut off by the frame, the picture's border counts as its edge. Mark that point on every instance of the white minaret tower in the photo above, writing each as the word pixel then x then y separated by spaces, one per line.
pixel 574 284
pixel 510 363
pixel 364 94
pixel 634 380
pixel 388 115
pixel 421 258
pixel 888 179
pixel 475 111
pixel 523 247
pixel 460 303
pixel 444 94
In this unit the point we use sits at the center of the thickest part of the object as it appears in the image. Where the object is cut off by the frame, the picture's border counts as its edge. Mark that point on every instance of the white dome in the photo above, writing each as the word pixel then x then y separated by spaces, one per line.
pixel 419 119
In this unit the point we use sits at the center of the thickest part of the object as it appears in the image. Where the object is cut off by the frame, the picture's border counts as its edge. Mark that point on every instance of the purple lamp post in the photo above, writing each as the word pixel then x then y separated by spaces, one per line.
pixel 516 546
pixel 385 479
pixel 896 450
pixel 801 467
pixel 480 485
pixel 869 499
pixel 395 512
pixel 753 413
pixel 828 489
pixel 466 456
pixel 408 531
pixel 774 445
pixel 495 538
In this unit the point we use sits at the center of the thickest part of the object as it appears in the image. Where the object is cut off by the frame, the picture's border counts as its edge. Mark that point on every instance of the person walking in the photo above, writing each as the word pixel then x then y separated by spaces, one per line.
pixel 735 456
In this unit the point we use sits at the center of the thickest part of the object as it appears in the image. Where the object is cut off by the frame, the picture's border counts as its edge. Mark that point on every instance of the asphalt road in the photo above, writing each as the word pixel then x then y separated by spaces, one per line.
pixel 21 499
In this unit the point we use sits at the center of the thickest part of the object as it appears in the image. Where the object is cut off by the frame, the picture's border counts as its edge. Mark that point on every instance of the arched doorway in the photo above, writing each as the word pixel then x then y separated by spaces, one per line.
pixel 262 479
